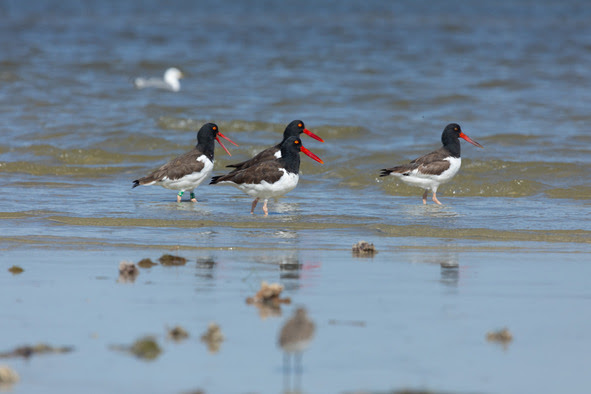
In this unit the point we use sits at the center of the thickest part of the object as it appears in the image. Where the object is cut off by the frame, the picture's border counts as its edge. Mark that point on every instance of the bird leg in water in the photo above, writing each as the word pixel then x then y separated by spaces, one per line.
pixel 254 204
pixel 178 196
pixel 425 197
pixel 265 207
pixel 193 199
pixel 435 200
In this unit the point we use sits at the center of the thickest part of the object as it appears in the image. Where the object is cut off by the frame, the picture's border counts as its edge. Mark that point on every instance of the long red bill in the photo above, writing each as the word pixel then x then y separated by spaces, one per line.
pixel 470 140
pixel 227 139
pixel 308 132
pixel 312 155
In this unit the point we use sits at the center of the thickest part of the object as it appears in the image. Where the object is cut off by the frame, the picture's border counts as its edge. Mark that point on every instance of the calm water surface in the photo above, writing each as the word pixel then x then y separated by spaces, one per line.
pixel 378 81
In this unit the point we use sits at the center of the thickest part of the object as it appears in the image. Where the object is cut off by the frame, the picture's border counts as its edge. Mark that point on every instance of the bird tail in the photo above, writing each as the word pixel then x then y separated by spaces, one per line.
pixel 385 171
pixel 215 179
pixel 136 183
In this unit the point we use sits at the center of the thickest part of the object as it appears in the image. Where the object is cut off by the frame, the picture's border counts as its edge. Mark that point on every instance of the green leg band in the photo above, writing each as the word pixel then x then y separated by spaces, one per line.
pixel 192 195
pixel 181 193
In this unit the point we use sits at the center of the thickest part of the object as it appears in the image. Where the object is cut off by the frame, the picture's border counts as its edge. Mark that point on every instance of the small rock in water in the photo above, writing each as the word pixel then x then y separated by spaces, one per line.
pixel 363 248
pixel 178 333
pixel 146 348
pixel 7 376
pixel 146 263
pixel 170 260
pixel 15 270
pixel 127 272
pixel 268 294
pixel 29 350
pixel 213 337
pixel 503 336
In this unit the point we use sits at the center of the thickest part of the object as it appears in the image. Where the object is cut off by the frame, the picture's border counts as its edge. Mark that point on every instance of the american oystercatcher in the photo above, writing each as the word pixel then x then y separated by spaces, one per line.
pixel 271 178
pixel 433 169
pixel 294 129
pixel 187 171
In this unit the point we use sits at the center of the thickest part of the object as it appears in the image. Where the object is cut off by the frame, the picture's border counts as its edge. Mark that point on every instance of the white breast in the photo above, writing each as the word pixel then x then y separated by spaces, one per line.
pixel 285 184
pixel 192 180
pixel 430 181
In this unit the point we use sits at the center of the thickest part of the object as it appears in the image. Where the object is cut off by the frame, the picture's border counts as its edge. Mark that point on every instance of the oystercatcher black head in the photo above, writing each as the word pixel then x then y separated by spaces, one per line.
pixel 271 178
pixel 450 139
pixel 297 127
pixel 433 169
pixel 294 129
pixel 207 134
pixel 187 171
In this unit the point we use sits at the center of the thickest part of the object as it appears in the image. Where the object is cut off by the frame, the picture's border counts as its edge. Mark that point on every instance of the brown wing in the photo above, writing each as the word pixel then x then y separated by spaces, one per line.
pixel 265 171
pixel 176 168
pixel 267 154
pixel 432 163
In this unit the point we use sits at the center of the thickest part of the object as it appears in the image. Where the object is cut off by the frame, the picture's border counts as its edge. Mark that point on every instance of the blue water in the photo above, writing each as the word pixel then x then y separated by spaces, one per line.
pixel 378 81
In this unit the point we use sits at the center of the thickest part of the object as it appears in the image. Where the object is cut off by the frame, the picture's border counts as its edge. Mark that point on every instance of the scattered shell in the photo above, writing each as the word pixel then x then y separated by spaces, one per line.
pixel 269 294
pixel 178 333
pixel 170 260
pixel 146 263
pixel 7 375
pixel 363 249
pixel 503 336
pixel 146 348
pixel 29 350
pixel 127 272
pixel 15 270
pixel 213 337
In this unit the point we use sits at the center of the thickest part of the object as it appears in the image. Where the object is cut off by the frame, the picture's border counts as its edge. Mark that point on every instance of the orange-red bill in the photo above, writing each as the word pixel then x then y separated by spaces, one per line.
pixel 227 139
pixel 308 132
pixel 470 140
pixel 312 155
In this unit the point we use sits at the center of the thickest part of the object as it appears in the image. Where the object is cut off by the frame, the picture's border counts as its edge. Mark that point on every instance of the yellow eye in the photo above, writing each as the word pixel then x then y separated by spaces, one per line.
pixel 215 128
pixel 300 125
pixel 455 128
pixel 296 142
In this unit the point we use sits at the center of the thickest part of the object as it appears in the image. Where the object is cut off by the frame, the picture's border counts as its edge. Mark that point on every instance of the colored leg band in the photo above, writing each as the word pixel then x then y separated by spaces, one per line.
pixel 181 193
pixel 192 195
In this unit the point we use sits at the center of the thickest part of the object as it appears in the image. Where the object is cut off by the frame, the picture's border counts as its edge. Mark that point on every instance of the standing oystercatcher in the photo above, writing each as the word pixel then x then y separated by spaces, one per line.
pixel 187 171
pixel 433 169
pixel 271 178
pixel 294 129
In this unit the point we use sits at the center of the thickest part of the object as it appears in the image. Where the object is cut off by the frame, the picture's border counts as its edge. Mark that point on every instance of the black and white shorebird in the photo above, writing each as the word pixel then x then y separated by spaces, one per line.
pixel 187 171
pixel 433 169
pixel 293 129
pixel 271 178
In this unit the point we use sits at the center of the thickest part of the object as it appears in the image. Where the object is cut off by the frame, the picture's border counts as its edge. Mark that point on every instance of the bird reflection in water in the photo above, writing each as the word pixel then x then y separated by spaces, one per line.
pixel 294 337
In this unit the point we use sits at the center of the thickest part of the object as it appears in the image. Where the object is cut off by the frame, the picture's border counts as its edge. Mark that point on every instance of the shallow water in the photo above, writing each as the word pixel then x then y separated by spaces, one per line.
pixel 378 82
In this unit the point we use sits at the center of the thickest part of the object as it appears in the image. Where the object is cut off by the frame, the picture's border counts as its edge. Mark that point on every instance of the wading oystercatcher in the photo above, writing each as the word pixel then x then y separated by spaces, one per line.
pixel 433 169
pixel 187 171
pixel 271 178
pixel 294 129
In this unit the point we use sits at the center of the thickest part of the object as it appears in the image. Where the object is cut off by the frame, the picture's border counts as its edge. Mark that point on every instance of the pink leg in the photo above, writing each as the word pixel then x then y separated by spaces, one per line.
pixel 425 197
pixel 435 200
pixel 254 204
pixel 265 208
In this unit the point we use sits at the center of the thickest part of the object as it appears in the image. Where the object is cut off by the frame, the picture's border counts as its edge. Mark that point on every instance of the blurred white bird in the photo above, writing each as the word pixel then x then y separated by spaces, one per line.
pixel 170 81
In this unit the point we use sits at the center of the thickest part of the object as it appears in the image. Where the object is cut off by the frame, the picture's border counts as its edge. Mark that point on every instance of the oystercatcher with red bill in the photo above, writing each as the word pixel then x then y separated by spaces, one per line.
pixel 187 171
pixel 271 178
pixel 433 169
pixel 293 129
